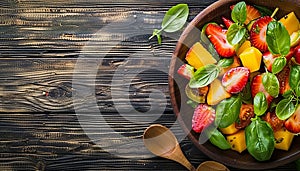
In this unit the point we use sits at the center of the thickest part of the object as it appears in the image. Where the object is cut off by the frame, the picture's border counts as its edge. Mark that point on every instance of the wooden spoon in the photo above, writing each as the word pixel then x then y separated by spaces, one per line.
pixel 159 140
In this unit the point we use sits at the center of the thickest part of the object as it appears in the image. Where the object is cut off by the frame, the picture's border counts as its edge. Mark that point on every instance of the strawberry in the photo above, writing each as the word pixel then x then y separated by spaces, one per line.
pixel 227 22
pixel 252 13
pixel 297 54
pixel 235 79
pixel 204 116
pixel 283 78
pixel 293 123
pixel 186 71
pixel 257 86
pixel 258 33
pixel 217 36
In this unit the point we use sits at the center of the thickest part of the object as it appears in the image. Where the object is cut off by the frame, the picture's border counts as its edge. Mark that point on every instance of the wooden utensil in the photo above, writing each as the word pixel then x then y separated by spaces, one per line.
pixel 159 140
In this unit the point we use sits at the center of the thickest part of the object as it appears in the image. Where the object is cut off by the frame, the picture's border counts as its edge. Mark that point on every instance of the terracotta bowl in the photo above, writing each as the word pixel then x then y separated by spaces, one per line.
pixel 178 98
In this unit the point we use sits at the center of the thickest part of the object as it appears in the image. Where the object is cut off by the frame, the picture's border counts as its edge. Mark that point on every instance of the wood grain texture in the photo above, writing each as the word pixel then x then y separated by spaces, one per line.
pixel 41 44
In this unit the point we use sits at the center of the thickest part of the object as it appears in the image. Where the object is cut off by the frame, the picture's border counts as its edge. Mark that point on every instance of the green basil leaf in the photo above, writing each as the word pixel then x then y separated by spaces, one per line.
pixel 260 139
pixel 264 11
pixel 175 18
pixel 294 77
pixel 235 34
pixel 278 38
pixel 239 13
pixel 218 139
pixel 288 94
pixel 285 109
pixel 204 76
pixel 228 111
pixel 278 64
pixel 297 90
pixel 271 84
pixel 260 104
pixel 225 62
pixel 245 94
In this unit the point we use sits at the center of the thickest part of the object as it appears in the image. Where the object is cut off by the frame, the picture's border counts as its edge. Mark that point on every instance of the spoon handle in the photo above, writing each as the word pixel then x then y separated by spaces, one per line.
pixel 180 158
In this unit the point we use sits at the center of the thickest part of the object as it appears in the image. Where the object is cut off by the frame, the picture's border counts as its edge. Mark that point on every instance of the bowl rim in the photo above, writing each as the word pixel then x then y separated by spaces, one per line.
pixel 233 163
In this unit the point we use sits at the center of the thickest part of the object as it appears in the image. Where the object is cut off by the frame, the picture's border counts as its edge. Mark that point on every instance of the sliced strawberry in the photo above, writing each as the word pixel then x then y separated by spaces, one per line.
pixel 283 78
pixel 293 123
pixel 274 121
pixel 204 116
pixel 257 86
pixel 252 13
pixel 186 71
pixel 217 36
pixel 235 79
pixel 227 22
pixel 258 33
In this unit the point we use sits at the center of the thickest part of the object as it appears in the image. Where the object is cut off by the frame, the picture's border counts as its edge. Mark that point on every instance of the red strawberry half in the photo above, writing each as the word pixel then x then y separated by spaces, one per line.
pixel 217 36
pixel 204 115
pixel 293 123
pixel 235 79
pixel 227 22
pixel 186 71
pixel 258 33
pixel 252 13
pixel 257 86
pixel 283 78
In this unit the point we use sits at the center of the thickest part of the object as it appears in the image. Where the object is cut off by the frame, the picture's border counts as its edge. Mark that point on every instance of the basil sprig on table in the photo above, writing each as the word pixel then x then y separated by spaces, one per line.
pixel 278 40
pixel 174 20
pixel 237 32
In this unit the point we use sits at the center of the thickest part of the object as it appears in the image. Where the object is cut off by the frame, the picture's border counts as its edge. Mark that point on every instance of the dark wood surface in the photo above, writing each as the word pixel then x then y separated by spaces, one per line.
pixel 44 124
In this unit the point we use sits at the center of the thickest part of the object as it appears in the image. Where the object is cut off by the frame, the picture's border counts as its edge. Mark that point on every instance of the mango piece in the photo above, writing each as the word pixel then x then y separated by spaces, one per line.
pixel 244 46
pixel 237 141
pixel 290 22
pixel 283 139
pixel 198 56
pixel 295 38
pixel 231 129
pixel 216 93
pixel 251 58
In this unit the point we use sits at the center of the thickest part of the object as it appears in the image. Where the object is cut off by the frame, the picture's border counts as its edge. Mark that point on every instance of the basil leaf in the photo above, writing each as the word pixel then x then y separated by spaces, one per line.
pixel 271 84
pixel 278 64
pixel 285 109
pixel 156 33
pixel 294 77
pixel 175 18
pixel 235 34
pixel 239 12
pixel 204 76
pixel 297 90
pixel 218 139
pixel 260 139
pixel 278 38
pixel 288 94
pixel 225 62
pixel 228 111
pixel 245 94
pixel 264 11
pixel 260 104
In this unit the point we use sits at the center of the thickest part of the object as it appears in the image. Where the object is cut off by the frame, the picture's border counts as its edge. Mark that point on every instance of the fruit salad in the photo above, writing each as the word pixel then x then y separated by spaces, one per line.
pixel 244 81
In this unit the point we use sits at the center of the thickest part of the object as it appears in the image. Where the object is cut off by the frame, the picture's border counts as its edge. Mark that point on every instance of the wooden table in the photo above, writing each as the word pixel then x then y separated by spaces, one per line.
pixel 77 83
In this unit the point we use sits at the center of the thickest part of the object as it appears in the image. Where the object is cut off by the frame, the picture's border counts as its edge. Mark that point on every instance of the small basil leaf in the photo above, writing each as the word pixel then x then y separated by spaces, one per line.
pixel 175 18
pixel 271 84
pixel 218 139
pixel 294 77
pixel 239 12
pixel 245 94
pixel 225 62
pixel 285 109
pixel 263 10
pixel 278 64
pixel 204 76
pixel 278 38
pixel 235 34
pixel 260 139
pixel 260 104
pixel 228 111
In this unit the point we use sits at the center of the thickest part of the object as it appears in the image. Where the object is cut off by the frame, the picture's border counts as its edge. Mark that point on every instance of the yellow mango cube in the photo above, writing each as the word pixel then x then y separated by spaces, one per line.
pixel 231 129
pixel 216 93
pixel 283 139
pixel 244 46
pixel 237 141
pixel 251 58
pixel 198 56
pixel 290 22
